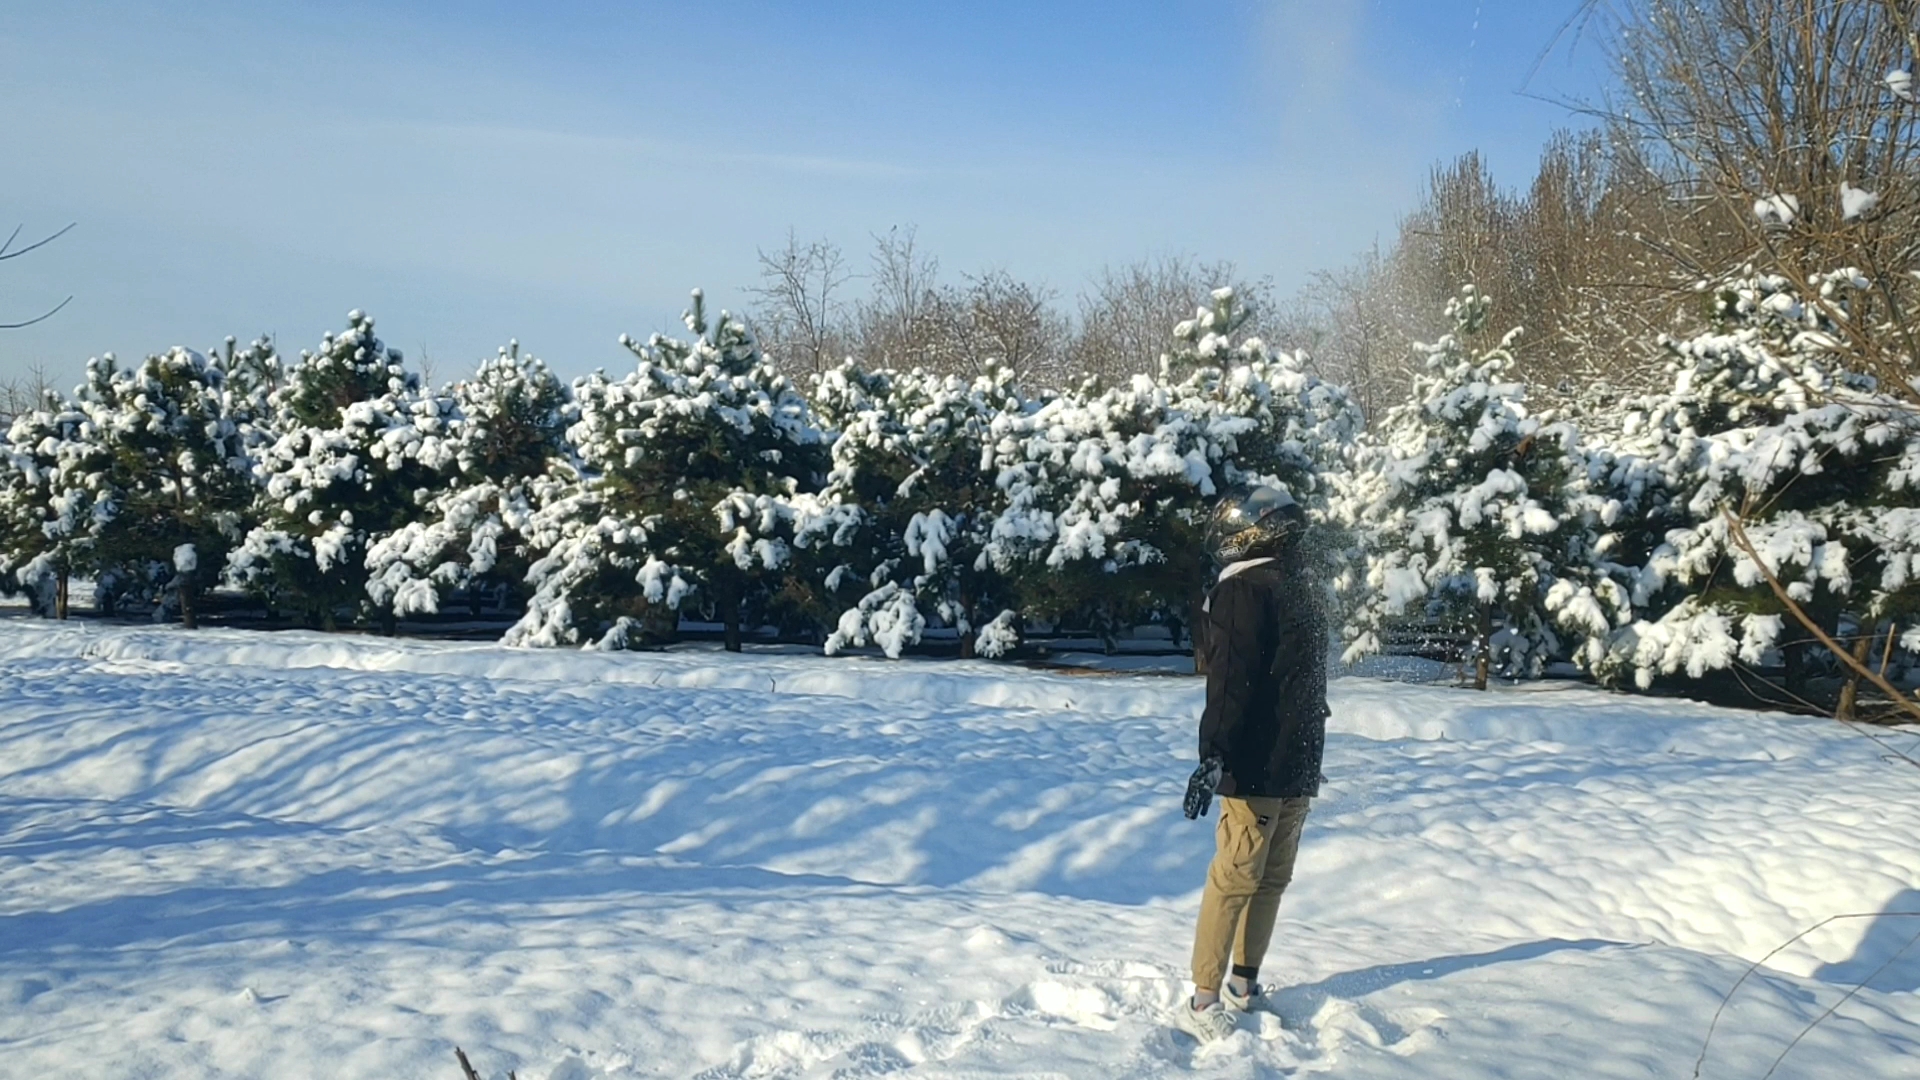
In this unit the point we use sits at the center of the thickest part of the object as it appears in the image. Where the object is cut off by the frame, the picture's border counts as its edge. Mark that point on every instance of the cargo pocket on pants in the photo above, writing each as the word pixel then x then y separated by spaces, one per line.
pixel 1243 846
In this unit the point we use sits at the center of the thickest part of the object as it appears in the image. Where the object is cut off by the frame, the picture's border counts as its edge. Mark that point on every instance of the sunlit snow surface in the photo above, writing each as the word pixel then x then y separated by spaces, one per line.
pixel 226 854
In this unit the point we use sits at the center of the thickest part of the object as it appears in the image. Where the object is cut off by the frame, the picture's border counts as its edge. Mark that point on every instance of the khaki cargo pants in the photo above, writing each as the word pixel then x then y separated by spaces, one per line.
pixel 1257 840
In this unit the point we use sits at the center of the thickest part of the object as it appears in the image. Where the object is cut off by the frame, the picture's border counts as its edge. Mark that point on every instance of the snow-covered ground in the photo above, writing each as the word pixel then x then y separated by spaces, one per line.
pixel 231 854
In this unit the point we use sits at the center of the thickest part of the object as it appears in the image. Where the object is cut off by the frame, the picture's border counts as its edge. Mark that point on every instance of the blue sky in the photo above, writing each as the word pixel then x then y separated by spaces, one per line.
pixel 565 172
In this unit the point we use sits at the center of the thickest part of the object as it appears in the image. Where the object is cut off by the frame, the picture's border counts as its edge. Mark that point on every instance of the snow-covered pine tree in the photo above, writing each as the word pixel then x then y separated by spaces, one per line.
pixel 252 374
pixel 506 433
pixel 1463 501
pixel 1822 470
pixel 177 460
pixel 358 449
pixel 1108 489
pixel 1613 499
pixel 1101 528
pixel 56 494
pixel 909 453
pixel 694 473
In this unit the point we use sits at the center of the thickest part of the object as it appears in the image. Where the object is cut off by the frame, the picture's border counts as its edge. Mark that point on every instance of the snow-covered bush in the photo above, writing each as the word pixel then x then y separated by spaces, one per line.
pixel 56 493
pixel 358 451
pixel 176 455
pixel 1108 488
pixel 1468 511
pixel 691 479
pixel 1764 422
pixel 505 435
pixel 983 508
pixel 910 452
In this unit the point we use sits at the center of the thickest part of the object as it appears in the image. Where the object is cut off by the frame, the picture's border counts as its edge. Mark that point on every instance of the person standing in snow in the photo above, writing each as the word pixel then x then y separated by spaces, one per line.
pixel 1262 736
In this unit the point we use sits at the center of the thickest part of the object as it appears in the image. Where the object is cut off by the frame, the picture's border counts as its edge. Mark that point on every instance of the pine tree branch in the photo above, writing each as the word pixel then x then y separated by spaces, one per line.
pixel 1739 534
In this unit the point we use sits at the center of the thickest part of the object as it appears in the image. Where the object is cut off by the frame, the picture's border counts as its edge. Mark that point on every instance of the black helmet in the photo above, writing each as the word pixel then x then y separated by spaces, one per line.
pixel 1249 524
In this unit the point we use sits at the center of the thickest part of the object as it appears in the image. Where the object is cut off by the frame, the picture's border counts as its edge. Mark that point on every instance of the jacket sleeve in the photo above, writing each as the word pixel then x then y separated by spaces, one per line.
pixel 1234 659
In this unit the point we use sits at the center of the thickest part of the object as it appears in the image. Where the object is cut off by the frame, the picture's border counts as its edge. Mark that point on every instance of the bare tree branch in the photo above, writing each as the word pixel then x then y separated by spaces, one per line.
pixel 38 318
pixel 802 319
pixel 43 242
pixel 895 326
pixel 1741 104
pixel 1738 532
pixel 6 252
pixel 1701 1062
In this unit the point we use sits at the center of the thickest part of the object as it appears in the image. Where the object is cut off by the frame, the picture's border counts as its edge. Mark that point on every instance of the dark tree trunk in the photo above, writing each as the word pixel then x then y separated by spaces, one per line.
pixel 1483 647
pixel 61 589
pixel 968 649
pixel 389 622
pixel 1794 655
pixel 728 596
pixel 1850 692
pixel 189 615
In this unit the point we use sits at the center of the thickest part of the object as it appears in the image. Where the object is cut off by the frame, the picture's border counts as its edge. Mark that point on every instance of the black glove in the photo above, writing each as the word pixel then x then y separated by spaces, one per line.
pixel 1200 788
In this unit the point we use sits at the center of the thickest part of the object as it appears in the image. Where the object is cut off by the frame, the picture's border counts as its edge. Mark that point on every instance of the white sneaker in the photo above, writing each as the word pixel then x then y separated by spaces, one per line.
pixel 1209 1024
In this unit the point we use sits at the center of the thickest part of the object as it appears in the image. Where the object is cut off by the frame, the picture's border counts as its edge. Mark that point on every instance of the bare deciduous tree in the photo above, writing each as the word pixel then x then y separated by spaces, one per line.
pixel 23 394
pixel 895 326
pixel 1780 134
pixel 429 371
pixel 1356 323
pixel 802 319
pixel 1566 258
pixel 1128 312
pixel 910 319
pixel 996 319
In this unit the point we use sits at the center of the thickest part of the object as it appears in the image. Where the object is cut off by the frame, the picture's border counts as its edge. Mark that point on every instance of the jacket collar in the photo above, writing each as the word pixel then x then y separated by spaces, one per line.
pixel 1241 567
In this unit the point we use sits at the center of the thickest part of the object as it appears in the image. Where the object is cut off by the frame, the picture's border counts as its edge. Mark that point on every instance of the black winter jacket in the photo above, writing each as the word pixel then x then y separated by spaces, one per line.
pixel 1266 664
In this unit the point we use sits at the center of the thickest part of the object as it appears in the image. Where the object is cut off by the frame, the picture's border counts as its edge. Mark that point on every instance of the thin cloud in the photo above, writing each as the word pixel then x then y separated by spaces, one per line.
pixel 570 145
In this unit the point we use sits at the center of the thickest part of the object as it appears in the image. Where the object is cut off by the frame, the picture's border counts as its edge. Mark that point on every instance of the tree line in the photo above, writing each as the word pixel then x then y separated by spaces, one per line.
pixel 1696 460
pixel 813 307
pixel 1768 486
pixel 337 487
